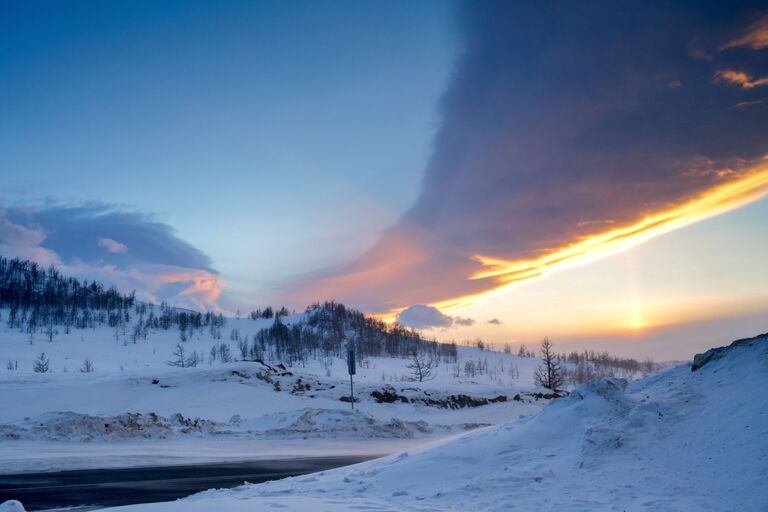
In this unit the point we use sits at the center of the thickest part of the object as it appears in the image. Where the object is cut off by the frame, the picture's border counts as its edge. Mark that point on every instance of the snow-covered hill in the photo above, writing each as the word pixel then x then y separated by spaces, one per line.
pixel 135 409
pixel 678 440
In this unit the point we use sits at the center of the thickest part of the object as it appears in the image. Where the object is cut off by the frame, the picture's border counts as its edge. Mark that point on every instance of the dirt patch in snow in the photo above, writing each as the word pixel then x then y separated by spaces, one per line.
pixel 71 426
pixel 389 395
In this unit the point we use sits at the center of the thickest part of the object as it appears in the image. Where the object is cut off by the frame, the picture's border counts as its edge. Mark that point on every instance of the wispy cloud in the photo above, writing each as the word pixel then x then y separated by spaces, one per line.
pixel 464 322
pixel 740 78
pixel 18 241
pixel 755 36
pixel 112 245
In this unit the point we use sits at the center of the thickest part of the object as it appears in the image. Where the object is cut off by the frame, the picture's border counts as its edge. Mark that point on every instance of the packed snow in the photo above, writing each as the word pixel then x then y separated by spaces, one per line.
pixel 678 440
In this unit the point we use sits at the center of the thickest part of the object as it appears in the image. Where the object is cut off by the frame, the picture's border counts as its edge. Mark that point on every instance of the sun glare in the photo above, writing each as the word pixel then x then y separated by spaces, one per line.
pixel 636 320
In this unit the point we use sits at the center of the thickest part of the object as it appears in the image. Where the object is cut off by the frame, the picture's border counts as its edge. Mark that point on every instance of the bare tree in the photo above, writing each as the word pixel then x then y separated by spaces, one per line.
pixel 583 372
pixel 225 355
pixel 549 374
pixel 194 359
pixel 242 345
pixel 50 331
pixel 180 358
pixel 422 366
pixel 524 352
pixel 87 366
pixel 648 366
pixel 41 364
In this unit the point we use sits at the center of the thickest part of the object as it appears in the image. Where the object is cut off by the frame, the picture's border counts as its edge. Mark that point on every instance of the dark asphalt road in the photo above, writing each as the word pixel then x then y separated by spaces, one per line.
pixel 113 487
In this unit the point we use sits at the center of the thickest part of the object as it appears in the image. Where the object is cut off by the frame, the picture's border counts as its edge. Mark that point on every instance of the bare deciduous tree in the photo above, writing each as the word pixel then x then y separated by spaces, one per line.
pixel 180 358
pixel 50 331
pixel 422 366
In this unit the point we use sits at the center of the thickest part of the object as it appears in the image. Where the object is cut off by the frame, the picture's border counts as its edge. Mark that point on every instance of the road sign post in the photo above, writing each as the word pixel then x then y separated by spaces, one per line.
pixel 351 369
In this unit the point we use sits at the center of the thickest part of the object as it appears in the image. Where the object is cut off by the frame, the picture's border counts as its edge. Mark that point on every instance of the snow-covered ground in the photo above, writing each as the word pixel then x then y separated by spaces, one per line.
pixel 134 409
pixel 675 441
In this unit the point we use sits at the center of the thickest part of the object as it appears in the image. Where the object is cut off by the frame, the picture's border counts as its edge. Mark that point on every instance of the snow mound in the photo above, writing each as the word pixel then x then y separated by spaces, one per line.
pixel 673 442
pixel 339 423
pixel 607 389
pixel 72 426
pixel 11 506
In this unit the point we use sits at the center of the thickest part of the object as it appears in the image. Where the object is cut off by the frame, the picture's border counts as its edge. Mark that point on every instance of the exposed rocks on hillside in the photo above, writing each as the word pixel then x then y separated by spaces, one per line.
pixel 713 354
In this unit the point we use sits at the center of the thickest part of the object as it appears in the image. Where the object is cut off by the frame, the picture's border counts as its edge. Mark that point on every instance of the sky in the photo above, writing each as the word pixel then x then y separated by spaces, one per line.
pixel 595 172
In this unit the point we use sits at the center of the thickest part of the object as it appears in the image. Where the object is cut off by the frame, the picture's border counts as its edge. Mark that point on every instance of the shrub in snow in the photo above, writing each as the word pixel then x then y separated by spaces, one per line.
pixel 422 367
pixel 41 364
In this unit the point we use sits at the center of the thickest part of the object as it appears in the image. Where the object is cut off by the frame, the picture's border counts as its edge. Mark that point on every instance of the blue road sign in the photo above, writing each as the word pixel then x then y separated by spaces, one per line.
pixel 351 361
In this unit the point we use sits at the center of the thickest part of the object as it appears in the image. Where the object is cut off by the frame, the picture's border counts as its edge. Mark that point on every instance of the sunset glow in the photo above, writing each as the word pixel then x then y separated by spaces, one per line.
pixel 504 273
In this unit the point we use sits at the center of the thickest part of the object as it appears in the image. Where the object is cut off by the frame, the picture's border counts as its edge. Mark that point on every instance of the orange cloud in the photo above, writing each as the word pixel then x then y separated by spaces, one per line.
pixel 393 257
pixel 203 285
pixel 408 266
pixel 557 148
pixel 740 78
pixel 752 185
pixel 755 36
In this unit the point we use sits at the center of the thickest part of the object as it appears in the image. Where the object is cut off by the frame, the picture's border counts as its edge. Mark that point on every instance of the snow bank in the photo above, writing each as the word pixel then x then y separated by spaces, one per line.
pixel 676 441
pixel 72 426
pixel 301 424
pixel 11 506
pixel 338 423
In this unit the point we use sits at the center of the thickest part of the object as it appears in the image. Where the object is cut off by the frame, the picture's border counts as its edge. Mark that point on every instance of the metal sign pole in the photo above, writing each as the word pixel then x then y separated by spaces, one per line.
pixel 351 369
pixel 352 392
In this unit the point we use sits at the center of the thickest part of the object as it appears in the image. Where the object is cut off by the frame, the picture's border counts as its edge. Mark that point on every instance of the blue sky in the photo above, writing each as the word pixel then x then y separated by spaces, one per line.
pixel 301 127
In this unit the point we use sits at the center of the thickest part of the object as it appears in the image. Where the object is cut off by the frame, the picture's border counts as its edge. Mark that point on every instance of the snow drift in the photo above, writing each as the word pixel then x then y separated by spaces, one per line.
pixel 675 441
pixel 338 423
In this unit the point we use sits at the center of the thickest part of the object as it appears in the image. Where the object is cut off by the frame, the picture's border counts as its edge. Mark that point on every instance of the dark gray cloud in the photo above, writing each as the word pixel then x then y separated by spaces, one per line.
pixel 420 316
pixel 116 247
pixel 566 120
pixel 83 231
pixel 464 322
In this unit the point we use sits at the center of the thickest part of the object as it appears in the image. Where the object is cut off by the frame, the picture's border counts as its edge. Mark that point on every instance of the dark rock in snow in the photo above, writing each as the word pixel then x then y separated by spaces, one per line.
pixel 714 354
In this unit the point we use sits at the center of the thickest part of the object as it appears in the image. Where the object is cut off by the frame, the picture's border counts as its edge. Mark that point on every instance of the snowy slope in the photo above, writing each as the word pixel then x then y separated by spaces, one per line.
pixel 134 409
pixel 675 441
